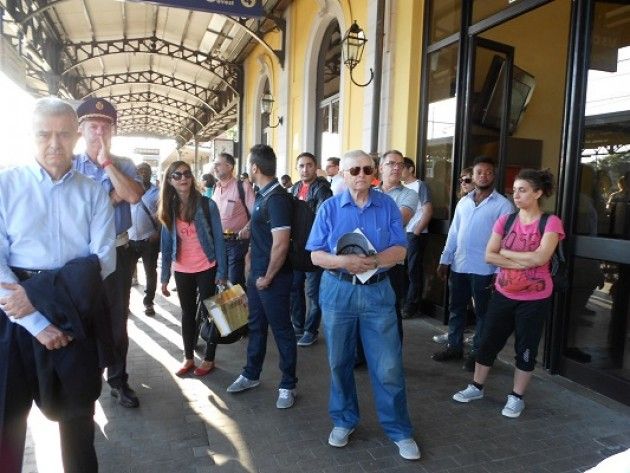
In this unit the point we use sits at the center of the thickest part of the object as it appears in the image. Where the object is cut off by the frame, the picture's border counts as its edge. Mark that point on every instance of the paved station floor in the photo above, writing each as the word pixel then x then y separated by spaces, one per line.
pixel 193 425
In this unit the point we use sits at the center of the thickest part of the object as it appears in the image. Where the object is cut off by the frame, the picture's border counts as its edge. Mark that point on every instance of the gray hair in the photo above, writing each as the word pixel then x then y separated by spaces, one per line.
pixel 354 154
pixel 53 106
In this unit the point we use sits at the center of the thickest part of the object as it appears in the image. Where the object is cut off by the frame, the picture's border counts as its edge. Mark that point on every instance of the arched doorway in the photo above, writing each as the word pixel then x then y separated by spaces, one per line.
pixel 327 137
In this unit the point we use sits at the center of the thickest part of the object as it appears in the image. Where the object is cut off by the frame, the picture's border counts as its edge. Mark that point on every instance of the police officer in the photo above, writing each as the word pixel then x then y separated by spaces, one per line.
pixel 119 178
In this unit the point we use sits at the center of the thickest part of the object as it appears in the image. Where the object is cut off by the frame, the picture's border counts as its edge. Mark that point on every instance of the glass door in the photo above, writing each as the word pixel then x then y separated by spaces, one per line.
pixel 487 116
pixel 596 348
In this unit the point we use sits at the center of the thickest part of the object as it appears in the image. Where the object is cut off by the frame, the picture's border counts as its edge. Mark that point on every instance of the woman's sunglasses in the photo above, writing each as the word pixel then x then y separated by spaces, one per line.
pixel 177 176
pixel 367 170
pixel 465 180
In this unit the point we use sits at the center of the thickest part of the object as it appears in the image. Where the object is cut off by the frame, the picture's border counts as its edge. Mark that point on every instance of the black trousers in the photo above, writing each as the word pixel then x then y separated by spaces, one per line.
pixel 76 426
pixel 526 319
pixel 149 251
pixel 188 286
pixel 398 280
pixel 416 245
pixel 118 289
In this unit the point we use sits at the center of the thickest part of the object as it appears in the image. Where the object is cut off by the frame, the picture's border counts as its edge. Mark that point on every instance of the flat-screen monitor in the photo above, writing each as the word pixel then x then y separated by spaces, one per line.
pixel 491 95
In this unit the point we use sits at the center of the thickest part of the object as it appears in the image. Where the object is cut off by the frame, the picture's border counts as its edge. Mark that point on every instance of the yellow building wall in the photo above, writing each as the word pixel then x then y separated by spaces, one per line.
pixel 252 70
pixel 407 31
pixel 301 18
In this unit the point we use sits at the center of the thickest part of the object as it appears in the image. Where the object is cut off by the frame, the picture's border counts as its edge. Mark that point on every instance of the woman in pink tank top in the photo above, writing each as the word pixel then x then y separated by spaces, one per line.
pixel 192 243
pixel 521 302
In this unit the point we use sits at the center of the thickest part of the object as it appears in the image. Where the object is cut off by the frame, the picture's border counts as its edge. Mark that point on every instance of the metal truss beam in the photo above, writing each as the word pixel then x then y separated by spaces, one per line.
pixel 148 108
pixel 146 120
pixel 80 53
pixel 92 83
pixel 258 34
pixel 153 131
pixel 158 100
pixel 160 86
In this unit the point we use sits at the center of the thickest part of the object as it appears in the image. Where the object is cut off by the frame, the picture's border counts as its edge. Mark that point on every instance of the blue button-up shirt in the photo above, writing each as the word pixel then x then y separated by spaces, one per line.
pixel 465 248
pixel 45 224
pixel 122 211
pixel 142 227
pixel 379 220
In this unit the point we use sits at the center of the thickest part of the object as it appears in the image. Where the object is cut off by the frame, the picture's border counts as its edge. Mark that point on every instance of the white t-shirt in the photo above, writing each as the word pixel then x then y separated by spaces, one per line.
pixel 424 197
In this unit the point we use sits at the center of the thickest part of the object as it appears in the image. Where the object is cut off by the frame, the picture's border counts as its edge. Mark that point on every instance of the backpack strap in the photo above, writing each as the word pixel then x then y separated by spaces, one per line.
pixel 542 224
pixel 241 195
pixel 509 223
pixel 277 189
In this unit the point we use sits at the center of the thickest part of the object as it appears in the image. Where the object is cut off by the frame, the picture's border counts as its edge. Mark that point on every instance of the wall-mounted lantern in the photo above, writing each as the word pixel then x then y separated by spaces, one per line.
pixel 352 46
pixel 266 106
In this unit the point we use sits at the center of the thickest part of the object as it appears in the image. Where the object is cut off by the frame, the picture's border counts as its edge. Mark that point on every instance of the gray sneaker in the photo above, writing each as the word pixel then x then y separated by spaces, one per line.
pixel 242 384
pixel 286 398
pixel 408 449
pixel 513 407
pixel 471 393
pixel 442 338
pixel 339 437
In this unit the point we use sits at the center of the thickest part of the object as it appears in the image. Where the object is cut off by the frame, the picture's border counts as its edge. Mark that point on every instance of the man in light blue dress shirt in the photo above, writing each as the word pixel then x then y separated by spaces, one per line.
pixel 119 178
pixel 49 215
pixel 465 254
pixel 144 235
pixel 353 310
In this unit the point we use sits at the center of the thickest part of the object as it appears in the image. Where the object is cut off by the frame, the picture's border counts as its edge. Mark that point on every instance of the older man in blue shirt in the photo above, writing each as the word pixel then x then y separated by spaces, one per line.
pixel 119 178
pixel 351 308
pixel 465 254
pixel 49 215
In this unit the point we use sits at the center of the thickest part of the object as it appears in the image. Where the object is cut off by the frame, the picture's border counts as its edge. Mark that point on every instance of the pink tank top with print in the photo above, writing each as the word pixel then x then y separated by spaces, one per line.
pixel 191 257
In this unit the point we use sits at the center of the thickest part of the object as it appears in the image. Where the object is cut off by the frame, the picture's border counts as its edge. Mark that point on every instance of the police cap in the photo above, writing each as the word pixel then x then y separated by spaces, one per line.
pixel 95 107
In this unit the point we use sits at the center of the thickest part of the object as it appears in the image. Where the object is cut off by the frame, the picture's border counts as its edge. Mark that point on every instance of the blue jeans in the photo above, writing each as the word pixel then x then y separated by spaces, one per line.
pixel 366 311
pixel 463 286
pixel 303 322
pixel 271 307
pixel 236 251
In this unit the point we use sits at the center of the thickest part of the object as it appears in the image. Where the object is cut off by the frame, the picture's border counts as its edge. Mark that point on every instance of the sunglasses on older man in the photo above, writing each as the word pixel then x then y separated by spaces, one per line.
pixel 355 171
pixel 177 175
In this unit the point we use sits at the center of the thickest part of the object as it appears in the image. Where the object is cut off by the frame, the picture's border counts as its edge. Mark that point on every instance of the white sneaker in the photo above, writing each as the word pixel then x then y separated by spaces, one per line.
pixel 339 437
pixel 242 384
pixel 408 449
pixel 442 338
pixel 471 393
pixel 286 398
pixel 513 407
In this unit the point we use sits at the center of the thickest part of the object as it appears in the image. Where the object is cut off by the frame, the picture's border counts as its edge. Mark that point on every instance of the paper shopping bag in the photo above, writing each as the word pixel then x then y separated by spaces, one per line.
pixel 228 309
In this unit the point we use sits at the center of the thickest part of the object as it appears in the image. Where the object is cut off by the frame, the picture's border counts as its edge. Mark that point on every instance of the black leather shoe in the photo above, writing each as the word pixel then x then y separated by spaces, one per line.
pixel 149 310
pixel 126 396
pixel 448 354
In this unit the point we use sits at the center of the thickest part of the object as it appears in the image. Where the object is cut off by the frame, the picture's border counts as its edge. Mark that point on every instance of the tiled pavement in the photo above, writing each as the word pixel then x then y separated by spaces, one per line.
pixel 193 425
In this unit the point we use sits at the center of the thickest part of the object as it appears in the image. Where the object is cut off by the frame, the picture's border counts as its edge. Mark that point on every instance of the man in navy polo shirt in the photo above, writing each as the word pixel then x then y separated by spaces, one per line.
pixel 351 308
pixel 119 178
pixel 269 278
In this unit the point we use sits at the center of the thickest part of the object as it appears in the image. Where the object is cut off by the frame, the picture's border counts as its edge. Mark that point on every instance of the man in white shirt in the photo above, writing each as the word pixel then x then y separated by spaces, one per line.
pixel 337 184
pixel 417 237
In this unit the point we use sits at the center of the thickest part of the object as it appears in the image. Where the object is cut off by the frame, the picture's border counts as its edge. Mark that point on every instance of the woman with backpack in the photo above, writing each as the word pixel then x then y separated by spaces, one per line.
pixel 521 245
pixel 192 242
